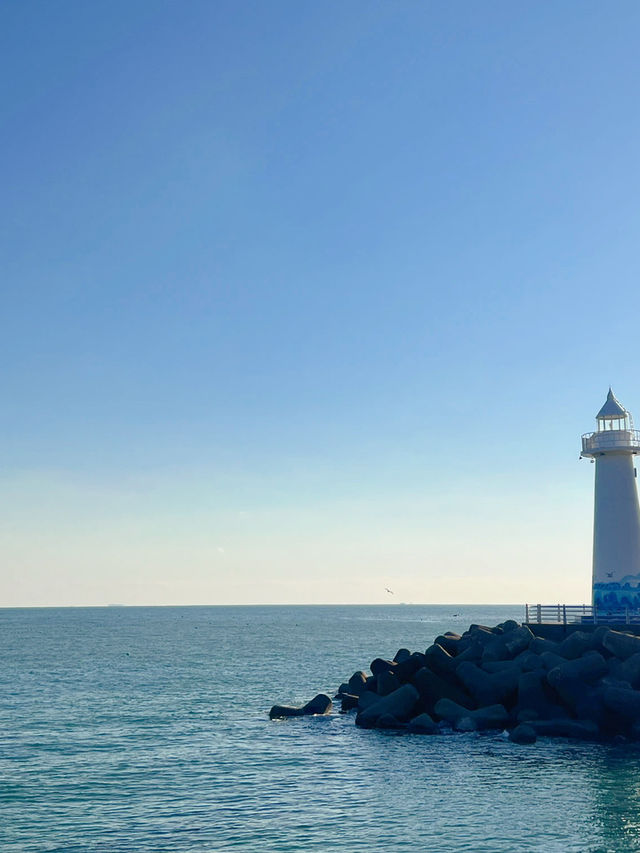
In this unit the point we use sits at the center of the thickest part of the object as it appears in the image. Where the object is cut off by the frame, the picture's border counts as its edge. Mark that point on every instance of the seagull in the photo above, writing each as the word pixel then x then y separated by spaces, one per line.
pixel 609 574
pixel 390 591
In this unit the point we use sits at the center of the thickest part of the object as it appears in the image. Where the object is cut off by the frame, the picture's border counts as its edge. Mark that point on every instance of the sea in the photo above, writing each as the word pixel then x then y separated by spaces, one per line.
pixel 147 729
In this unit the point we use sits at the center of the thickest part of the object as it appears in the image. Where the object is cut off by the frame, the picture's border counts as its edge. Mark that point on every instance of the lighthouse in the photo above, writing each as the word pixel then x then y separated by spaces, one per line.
pixel 616 517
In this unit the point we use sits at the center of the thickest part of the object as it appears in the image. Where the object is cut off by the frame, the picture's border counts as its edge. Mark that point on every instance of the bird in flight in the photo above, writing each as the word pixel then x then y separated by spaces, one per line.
pixel 390 591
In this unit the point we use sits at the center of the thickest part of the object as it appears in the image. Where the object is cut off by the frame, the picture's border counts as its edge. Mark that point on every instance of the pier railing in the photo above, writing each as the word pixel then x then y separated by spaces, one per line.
pixel 585 614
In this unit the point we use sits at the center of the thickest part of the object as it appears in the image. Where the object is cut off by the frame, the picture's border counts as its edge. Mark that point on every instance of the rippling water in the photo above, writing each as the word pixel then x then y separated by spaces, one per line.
pixel 146 729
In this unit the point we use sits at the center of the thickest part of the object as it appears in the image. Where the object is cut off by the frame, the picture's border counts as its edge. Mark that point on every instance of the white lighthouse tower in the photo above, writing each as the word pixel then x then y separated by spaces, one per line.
pixel 616 518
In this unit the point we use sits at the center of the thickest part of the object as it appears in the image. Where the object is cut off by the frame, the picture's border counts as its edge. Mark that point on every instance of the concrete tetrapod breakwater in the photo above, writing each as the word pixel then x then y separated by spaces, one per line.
pixel 587 686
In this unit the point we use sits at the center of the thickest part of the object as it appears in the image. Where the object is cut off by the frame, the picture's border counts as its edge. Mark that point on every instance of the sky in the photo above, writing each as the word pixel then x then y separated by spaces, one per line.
pixel 300 300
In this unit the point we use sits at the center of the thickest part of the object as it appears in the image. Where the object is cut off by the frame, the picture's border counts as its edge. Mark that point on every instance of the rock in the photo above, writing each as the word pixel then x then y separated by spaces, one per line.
pixel 439 660
pixel 450 711
pixel 500 665
pixel 387 682
pixel 583 700
pixel 550 660
pixel 629 670
pixel 489 689
pixel 621 645
pixel 366 700
pixel 380 665
pixel 482 719
pixel 357 684
pixel 511 625
pixel 523 734
pixel 466 724
pixel 388 721
pixel 401 655
pixel 407 668
pixel 517 640
pixel 432 687
pixel 534 693
pixel 625 703
pixel 320 704
pixel 579 729
pixel 576 644
pixel 528 661
pixel 279 712
pixel 348 701
pixel 472 653
pixel 400 703
pixel 495 650
pixel 422 725
pixel 490 717
pixel 449 642
pixel 588 668
pixel 539 645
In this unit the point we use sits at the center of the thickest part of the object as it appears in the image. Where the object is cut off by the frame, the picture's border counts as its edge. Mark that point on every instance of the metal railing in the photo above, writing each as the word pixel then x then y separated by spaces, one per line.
pixel 585 614
pixel 611 440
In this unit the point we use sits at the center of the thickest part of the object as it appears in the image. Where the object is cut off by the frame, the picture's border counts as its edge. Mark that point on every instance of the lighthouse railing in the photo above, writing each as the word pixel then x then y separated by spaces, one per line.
pixel 617 439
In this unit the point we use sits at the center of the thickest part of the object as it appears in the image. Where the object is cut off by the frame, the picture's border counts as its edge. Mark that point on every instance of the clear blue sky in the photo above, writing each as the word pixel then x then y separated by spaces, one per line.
pixel 301 300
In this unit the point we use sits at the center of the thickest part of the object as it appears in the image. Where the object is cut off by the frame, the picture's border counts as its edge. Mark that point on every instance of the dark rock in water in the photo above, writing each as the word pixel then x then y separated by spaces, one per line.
pixel 387 682
pixel 388 721
pixel 279 712
pixel 523 734
pixel 490 717
pixel 584 700
pixel 401 655
pixel 509 626
pixel 610 681
pixel 492 666
pixel 489 689
pixel 449 642
pixel 628 670
pixel 439 660
pixel 518 639
pixel 471 652
pixel 579 729
pixel 576 645
pixel 366 700
pixel 400 703
pixel 539 645
pixel 422 725
pixel 320 704
pixel 496 649
pixel 529 661
pixel 349 701
pixel 357 684
pixel 550 660
pixel 380 665
pixel 625 703
pixel 534 693
pixel 406 668
pixel 450 711
pixel 588 668
pixel 432 687
pixel 621 645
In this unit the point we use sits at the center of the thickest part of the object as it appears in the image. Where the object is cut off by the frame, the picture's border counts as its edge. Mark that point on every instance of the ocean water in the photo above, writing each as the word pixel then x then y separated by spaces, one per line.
pixel 146 729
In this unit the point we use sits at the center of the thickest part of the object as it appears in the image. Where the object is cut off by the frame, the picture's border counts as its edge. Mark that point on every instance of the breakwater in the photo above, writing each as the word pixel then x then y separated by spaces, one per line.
pixel 502 677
